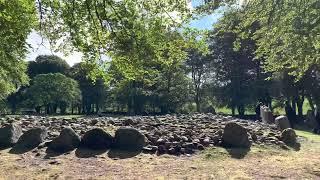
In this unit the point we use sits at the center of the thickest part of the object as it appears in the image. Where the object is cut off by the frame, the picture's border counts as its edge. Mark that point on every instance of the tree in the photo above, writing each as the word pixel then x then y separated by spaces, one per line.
pixel 288 37
pixel 239 79
pixel 93 91
pixel 131 33
pixel 17 18
pixel 52 91
pixel 45 64
pixel 199 66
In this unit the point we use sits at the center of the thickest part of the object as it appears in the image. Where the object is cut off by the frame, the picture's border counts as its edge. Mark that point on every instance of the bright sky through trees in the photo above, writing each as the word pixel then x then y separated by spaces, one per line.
pixel 41 46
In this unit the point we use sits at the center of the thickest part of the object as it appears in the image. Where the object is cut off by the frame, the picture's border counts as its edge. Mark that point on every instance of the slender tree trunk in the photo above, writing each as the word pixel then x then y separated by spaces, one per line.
pixel 97 108
pixel 294 105
pixel 241 110
pixel 72 107
pixel 197 101
pixel 38 109
pixel 300 101
pixel 233 109
pixel 310 102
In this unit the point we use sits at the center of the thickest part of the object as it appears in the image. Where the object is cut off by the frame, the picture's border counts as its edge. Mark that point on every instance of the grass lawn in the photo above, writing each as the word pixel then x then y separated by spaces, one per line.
pixel 249 111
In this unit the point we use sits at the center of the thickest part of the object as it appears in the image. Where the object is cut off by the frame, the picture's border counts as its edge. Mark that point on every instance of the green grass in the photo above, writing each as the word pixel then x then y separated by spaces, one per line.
pixel 310 136
pixel 278 110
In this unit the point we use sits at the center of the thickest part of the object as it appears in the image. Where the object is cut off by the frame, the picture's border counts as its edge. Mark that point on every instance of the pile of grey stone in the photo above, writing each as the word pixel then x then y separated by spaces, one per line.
pixel 169 134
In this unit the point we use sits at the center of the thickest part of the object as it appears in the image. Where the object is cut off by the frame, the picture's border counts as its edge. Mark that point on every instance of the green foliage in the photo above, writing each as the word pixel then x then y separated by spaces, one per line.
pixel 53 89
pixel 239 80
pixel 137 35
pixel 93 91
pixel 45 64
pixel 17 18
pixel 288 37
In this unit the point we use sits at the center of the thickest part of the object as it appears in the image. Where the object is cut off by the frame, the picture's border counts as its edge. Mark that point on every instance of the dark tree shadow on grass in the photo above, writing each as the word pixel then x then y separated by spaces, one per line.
pixel 238 153
pixel 123 154
pixel 83 152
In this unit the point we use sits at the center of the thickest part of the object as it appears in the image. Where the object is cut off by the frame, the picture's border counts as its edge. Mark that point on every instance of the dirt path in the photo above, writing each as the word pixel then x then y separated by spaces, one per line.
pixel 217 163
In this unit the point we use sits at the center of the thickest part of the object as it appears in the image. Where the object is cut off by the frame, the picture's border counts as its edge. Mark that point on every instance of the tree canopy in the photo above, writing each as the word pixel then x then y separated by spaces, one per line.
pixel 45 64
pixel 288 36
pixel 17 18
pixel 53 89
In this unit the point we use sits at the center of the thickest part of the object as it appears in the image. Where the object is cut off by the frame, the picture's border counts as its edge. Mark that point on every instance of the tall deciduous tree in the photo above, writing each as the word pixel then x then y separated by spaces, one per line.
pixel 52 91
pixel 45 64
pixel 132 32
pixel 288 38
pixel 93 91
pixel 238 75
pixel 199 65
pixel 17 18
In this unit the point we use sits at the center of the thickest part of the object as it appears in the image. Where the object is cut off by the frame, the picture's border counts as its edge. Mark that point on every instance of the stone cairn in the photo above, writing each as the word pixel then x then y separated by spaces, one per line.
pixel 169 134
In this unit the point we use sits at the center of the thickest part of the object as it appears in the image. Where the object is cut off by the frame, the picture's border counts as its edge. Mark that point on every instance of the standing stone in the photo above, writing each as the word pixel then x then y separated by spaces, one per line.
pixel 32 138
pixel 235 135
pixel 96 139
pixel 66 141
pixel 289 137
pixel 266 115
pixel 10 134
pixel 127 138
pixel 282 123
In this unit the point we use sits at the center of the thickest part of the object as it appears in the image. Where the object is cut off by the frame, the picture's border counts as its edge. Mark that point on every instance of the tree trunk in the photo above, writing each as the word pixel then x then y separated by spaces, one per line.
pixel 294 105
pixel 310 102
pixel 97 108
pixel 300 110
pixel 38 109
pixel 197 101
pixel 233 109
pixel 241 110
pixel 300 101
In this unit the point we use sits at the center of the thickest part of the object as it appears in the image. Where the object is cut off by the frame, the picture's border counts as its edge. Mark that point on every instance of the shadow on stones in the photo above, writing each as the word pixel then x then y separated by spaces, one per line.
pixel 238 153
pixel 83 152
pixel 122 154
pixel 50 153
pixel 295 146
pixel 21 149
pixel 4 147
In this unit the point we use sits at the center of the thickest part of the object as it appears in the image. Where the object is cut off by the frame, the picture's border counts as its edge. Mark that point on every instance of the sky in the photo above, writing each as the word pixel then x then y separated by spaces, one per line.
pixel 40 46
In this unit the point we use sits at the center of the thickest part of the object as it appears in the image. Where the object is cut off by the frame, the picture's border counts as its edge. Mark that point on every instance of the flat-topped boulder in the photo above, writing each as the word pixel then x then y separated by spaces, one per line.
pixel 97 138
pixel 32 138
pixel 66 141
pixel 127 138
pixel 235 135
pixel 10 134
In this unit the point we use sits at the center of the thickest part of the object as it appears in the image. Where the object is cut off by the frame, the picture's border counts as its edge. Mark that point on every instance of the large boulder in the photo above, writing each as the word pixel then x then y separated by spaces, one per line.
pixel 235 135
pixel 282 123
pixel 127 138
pixel 96 139
pixel 289 137
pixel 32 138
pixel 66 141
pixel 10 134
